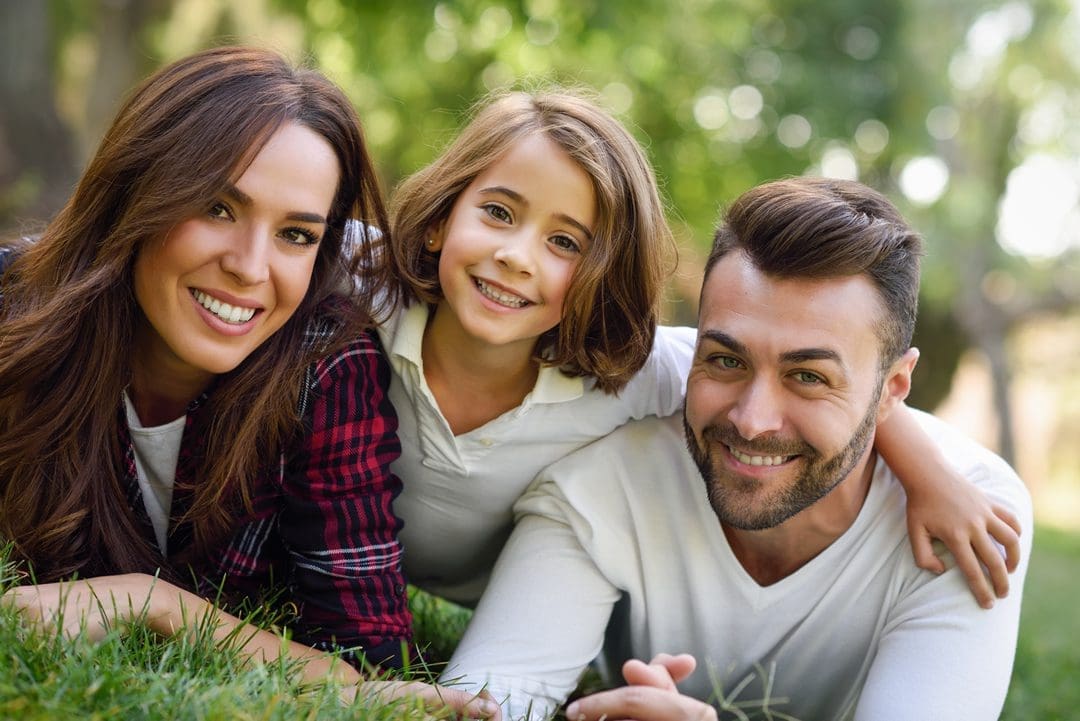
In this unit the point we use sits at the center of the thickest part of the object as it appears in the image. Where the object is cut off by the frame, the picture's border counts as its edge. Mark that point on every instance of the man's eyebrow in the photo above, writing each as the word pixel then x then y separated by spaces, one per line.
pixel 719 336
pixel 242 198
pixel 519 198
pixel 800 355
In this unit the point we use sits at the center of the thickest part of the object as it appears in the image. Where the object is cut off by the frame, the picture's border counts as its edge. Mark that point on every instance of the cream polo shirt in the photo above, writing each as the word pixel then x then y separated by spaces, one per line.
pixel 624 530
pixel 459 490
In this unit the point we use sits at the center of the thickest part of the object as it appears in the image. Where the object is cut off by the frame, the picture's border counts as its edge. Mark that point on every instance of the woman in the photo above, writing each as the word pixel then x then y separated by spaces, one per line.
pixel 186 387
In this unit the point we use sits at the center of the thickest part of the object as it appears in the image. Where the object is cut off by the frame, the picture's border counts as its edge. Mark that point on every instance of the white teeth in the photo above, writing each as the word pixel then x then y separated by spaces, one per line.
pixel 228 313
pixel 757 460
pixel 507 299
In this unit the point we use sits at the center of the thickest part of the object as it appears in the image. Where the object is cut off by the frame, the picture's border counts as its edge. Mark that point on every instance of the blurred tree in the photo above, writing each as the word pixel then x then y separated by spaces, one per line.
pixel 37 166
pixel 975 77
pixel 937 105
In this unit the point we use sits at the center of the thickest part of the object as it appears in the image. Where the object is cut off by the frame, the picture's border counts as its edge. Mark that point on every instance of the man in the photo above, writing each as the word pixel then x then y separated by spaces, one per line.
pixel 787 575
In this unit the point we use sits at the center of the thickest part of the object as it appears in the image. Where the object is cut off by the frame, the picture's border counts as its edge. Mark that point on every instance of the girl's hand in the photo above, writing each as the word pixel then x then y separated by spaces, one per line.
pixel 95 604
pixel 943 504
pixel 968 523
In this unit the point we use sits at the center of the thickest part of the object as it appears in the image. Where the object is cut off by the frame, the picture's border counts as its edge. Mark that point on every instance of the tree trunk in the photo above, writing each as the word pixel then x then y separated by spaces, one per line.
pixel 37 167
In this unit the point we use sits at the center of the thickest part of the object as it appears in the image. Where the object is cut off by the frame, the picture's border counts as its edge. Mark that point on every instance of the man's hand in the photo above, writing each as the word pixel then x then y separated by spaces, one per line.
pixel 650 696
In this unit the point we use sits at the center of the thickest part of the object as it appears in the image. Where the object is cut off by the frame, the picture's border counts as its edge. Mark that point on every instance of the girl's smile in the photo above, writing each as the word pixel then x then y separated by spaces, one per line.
pixel 510 246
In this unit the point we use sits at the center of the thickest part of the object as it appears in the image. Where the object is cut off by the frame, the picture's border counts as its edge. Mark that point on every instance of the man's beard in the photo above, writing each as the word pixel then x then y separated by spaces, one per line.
pixel 730 497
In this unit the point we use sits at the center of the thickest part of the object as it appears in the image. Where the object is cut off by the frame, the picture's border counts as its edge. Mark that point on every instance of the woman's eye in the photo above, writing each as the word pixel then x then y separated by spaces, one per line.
pixel 220 210
pixel 300 236
pixel 565 242
pixel 498 212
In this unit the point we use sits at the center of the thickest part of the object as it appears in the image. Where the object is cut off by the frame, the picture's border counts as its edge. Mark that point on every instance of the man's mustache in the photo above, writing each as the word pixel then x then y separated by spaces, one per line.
pixel 764 446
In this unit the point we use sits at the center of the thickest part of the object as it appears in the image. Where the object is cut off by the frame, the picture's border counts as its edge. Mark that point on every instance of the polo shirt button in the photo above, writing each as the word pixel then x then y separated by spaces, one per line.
pixel 487 442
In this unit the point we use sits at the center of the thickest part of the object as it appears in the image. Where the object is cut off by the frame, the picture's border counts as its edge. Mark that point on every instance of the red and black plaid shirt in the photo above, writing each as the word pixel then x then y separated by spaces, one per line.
pixel 322 531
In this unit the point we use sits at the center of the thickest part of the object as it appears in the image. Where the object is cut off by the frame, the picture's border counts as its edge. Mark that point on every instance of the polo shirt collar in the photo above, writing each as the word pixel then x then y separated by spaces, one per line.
pixel 552 385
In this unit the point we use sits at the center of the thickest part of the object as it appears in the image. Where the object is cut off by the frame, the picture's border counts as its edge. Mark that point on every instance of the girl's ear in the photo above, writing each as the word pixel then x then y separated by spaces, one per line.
pixel 435 235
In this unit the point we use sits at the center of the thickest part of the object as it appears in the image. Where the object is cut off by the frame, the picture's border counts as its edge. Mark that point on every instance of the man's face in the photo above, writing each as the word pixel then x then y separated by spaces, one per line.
pixel 784 392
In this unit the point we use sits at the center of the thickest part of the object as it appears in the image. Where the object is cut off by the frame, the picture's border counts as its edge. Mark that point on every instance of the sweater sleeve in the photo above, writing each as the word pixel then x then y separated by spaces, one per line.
pixel 337 522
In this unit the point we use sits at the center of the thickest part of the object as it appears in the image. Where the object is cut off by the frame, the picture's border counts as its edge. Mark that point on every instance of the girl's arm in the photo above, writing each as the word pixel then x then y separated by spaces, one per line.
pixel 98 604
pixel 942 504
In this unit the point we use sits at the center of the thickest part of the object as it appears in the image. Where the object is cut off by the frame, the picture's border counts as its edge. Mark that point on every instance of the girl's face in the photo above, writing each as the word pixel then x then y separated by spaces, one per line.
pixel 512 241
pixel 221 283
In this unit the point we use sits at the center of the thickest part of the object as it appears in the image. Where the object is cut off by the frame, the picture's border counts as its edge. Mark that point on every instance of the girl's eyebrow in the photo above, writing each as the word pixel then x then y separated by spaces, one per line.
pixel 519 198
pixel 242 198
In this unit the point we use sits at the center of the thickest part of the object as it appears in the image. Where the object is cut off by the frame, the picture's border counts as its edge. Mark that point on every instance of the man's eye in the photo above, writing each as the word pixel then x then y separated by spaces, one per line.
pixel 725 361
pixel 808 378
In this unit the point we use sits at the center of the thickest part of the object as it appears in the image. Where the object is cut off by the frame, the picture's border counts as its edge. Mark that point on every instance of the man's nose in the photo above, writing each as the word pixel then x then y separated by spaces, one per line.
pixel 758 410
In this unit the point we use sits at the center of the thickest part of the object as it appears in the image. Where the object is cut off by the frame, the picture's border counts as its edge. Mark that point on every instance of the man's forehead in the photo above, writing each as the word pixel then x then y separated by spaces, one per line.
pixel 839 314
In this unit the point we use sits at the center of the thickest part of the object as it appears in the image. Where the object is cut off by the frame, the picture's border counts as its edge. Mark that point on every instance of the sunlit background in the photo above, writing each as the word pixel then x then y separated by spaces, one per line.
pixel 966 113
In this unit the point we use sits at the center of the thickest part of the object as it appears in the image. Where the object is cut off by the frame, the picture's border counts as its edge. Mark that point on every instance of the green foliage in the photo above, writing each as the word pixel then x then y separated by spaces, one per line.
pixel 723 95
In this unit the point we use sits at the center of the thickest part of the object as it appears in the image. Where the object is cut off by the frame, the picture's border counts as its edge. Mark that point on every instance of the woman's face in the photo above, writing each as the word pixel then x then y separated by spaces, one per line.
pixel 219 284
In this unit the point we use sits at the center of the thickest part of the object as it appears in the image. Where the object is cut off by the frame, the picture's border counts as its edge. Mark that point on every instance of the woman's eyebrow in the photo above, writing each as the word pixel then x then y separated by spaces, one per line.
pixel 242 198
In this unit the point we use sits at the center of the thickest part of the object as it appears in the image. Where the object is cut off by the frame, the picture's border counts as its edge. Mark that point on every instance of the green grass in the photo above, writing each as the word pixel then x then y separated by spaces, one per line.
pixel 138 675
pixel 1046 678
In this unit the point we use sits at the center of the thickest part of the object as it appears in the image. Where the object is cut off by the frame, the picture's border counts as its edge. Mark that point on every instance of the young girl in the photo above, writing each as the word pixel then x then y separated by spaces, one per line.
pixel 534 253
pixel 184 390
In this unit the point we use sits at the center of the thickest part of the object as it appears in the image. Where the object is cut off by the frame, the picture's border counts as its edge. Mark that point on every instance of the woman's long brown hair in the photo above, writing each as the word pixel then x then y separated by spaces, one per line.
pixel 68 313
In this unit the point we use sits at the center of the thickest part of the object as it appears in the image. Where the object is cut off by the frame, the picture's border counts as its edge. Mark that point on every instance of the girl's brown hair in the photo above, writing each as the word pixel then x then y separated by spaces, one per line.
pixel 68 312
pixel 611 310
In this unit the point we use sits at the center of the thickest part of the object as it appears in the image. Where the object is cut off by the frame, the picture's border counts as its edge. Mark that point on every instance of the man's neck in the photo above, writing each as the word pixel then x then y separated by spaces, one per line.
pixel 772 554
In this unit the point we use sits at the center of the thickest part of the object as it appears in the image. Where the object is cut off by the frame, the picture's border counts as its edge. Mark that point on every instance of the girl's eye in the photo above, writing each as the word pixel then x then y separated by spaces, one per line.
pixel 565 242
pixel 498 212
pixel 300 236
pixel 220 210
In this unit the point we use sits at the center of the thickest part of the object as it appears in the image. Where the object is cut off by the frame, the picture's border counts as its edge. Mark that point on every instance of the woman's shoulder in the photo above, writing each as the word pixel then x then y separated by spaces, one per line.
pixel 9 251
pixel 7 254
pixel 336 344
